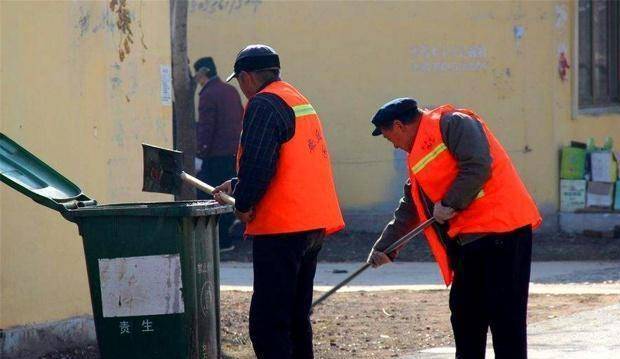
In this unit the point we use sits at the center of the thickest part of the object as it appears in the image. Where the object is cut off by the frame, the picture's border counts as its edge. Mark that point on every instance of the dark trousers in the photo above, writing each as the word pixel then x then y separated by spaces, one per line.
pixel 284 267
pixel 490 289
pixel 214 171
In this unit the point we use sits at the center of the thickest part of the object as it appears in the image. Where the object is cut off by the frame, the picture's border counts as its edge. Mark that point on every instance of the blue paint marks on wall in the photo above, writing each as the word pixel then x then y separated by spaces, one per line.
pixel 84 23
pixel 400 175
pixel 212 7
pixel 116 82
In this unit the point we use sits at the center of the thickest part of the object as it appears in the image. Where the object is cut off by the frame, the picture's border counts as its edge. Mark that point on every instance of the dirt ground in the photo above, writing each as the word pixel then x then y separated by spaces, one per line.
pixel 371 324
pixel 389 324
pixel 384 324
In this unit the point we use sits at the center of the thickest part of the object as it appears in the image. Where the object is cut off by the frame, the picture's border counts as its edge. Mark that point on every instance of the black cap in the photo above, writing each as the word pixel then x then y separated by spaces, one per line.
pixel 206 62
pixel 398 108
pixel 255 57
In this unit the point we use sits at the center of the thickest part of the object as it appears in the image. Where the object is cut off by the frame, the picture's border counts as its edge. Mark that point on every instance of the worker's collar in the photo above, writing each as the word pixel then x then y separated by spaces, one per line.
pixel 267 84
pixel 209 82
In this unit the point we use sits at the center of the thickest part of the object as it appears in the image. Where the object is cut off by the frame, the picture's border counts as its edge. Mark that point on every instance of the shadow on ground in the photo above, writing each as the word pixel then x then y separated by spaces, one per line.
pixel 354 246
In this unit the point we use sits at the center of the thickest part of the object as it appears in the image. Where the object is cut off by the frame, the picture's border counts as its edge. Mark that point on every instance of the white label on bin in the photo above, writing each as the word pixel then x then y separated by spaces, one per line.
pixel 136 286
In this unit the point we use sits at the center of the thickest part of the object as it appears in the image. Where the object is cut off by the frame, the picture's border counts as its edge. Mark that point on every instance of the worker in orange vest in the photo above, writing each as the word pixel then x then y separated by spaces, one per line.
pixel 461 175
pixel 285 194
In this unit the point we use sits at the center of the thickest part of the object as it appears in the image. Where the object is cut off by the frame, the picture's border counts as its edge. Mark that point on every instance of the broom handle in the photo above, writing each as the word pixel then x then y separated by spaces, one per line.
pixel 401 242
pixel 205 187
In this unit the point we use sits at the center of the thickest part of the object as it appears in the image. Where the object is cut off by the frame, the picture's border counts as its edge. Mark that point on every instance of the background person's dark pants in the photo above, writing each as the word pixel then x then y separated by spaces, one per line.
pixel 490 289
pixel 284 267
pixel 214 171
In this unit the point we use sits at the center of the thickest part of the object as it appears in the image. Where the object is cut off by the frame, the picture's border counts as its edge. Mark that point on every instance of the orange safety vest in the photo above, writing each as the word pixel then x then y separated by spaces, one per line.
pixel 502 205
pixel 301 195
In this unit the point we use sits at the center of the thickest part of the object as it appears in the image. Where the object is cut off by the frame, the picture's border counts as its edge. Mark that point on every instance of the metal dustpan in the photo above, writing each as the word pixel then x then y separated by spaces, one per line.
pixel 161 170
pixel 163 173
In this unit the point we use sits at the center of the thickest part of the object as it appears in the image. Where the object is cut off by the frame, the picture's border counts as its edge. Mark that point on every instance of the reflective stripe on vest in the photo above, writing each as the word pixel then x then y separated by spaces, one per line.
pixel 301 195
pixel 429 157
pixel 304 110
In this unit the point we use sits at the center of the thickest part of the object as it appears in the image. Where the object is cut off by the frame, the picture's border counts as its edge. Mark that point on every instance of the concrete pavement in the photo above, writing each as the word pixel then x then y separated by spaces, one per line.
pixel 547 277
pixel 593 334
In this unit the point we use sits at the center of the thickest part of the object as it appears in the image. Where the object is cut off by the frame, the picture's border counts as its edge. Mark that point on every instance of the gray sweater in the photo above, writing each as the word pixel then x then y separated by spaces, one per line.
pixel 465 139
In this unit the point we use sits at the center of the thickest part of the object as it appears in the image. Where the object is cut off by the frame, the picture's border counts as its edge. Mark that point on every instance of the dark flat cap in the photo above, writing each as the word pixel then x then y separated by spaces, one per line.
pixel 393 110
pixel 254 58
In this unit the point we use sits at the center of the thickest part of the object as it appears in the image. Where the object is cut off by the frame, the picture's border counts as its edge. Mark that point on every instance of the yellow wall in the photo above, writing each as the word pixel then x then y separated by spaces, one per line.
pixel 498 58
pixel 68 98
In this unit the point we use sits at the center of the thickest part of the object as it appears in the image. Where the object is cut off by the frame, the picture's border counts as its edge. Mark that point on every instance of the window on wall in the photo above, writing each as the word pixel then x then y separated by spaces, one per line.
pixel 599 53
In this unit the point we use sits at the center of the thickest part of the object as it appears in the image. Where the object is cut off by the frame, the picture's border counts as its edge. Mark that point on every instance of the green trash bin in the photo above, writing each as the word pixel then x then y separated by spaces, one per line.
pixel 153 268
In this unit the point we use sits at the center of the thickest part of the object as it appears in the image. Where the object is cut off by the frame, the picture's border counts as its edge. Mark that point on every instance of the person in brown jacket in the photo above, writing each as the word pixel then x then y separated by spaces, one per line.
pixel 217 134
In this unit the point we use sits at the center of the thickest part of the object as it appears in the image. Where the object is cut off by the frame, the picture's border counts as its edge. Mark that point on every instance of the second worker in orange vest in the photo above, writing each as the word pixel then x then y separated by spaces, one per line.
pixel 285 194
pixel 460 174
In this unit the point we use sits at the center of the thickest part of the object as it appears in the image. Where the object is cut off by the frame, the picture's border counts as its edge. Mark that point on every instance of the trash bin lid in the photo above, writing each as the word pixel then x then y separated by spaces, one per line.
pixel 29 175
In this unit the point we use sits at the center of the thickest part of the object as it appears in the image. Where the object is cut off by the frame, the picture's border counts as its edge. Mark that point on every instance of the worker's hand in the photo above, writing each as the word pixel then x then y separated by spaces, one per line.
pixel 245 217
pixel 377 259
pixel 442 213
pixel 225 187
